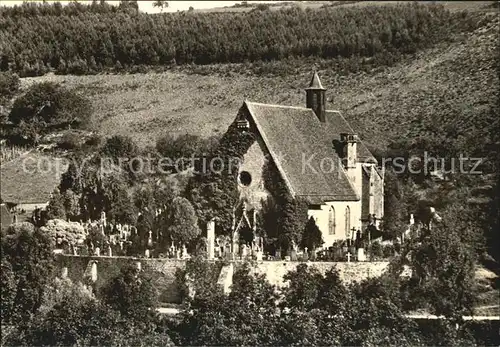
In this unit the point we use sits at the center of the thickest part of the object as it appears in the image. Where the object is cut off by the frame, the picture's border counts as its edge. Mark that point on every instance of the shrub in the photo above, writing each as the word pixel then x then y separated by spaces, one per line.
pixel 376 250
pixel 180 149
pixel 94 140
pixel 47 106
pixel 69 141
pixel 9 85
pixel 388 251
pixel 131 293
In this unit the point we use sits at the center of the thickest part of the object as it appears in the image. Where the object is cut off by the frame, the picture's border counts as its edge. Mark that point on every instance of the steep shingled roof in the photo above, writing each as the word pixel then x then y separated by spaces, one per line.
pixel 294 136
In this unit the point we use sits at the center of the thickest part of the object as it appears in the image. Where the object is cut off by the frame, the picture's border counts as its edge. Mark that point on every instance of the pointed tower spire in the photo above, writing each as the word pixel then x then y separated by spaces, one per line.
pixel 315 97
pixel 315 82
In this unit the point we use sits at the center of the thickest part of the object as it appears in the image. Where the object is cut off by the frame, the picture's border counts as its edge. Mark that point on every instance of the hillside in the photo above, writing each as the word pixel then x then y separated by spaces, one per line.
pixel 454 83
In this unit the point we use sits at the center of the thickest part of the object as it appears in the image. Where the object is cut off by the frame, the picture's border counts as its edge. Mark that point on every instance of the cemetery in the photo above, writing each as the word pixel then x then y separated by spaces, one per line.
pixel 102 255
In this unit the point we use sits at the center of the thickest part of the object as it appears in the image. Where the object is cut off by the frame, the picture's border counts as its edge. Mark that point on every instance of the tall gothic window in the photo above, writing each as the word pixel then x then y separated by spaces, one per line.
pixel 347 220
pixel 331 221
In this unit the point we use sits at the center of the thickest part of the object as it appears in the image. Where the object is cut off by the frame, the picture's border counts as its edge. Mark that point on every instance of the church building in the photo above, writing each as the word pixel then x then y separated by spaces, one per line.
pixel 319 157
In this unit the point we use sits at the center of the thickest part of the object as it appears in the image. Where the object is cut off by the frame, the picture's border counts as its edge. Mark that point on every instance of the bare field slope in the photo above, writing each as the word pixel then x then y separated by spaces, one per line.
pixel 30 178
pixel 453 84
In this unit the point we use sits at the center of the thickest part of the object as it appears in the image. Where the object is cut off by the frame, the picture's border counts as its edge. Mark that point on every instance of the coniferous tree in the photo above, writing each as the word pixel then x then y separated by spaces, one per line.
pixel 312 237
pixel 56 208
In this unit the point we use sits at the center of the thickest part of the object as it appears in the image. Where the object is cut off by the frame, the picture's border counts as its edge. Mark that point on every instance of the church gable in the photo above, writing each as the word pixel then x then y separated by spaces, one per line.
pixel 302 151
pixel 251 175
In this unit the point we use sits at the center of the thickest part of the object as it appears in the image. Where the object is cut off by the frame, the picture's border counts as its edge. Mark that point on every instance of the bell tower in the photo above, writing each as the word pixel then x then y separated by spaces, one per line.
pixel 315 97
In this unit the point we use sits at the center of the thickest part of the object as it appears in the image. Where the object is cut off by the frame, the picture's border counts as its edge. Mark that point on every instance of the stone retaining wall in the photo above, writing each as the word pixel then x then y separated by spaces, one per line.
pixel 162 271
pixel 353 271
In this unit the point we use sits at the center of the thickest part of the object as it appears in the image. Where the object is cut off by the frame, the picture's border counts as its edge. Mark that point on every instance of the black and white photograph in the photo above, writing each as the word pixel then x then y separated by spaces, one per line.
pixel 249 173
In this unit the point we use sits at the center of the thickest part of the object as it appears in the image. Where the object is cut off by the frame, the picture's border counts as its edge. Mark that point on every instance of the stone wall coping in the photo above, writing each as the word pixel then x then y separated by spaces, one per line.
pixel 237 261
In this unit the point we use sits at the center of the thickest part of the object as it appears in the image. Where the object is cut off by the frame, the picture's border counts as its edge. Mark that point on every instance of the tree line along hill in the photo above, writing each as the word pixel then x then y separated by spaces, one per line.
pixel 84 39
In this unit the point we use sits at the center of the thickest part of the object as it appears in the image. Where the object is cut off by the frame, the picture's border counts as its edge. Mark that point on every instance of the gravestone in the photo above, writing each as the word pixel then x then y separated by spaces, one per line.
pixel 348 257
pixel 185 254
pixel 293 255
pixel 236 249
pixel 110 252
pixel 150 239
pixel 93 272
pixel 211 239
pixel 352 250
pixel 98 251
pixel 64 272
pixel 361 254
pixel 228 253
pixel 293 251
pixel 147 254
pixel 103 218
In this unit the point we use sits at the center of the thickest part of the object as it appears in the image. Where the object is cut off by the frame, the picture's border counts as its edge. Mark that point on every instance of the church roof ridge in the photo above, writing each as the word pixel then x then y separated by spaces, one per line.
pixel 276 105
pixel 363 153
pixel 302 108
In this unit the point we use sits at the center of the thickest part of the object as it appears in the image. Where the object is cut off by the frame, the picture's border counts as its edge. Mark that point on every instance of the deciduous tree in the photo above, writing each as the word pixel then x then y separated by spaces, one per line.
pixel 46 106
pixel 30 252
pixel 64 234
pixel 132 294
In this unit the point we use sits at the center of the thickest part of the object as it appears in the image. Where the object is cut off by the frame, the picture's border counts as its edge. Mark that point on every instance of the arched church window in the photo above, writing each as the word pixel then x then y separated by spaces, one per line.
pixel 331 221
pixel 347 220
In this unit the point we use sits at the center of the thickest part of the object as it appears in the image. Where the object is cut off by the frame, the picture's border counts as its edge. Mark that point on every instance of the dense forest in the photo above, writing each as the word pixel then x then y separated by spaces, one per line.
pixel 81 39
